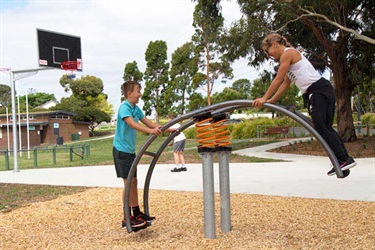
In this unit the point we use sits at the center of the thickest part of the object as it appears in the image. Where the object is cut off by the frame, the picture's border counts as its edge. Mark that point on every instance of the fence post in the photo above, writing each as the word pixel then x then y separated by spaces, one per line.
pixel 54 155
pixel 6 159
pixel 35 157
pixel 71 153
pixel 88 149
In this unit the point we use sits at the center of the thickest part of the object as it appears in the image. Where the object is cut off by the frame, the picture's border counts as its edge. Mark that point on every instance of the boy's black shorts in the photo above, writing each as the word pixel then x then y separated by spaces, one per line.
pixel 123 162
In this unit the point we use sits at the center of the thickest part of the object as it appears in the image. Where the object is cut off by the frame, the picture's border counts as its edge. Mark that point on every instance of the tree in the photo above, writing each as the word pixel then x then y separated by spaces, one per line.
pixel 196 101
pixel 208 31
pixel 242 85
pixel 87 100
pixel 5 97
pixel 184 66
pixel 92 114
pixel 156 77
pixel 228 94
pixel 132 73
pixel 327 45
pixel 35 99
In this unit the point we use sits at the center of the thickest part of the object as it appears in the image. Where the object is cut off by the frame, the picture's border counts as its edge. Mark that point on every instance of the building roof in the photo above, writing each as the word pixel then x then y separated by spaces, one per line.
pixel 53 112
pixel 47 105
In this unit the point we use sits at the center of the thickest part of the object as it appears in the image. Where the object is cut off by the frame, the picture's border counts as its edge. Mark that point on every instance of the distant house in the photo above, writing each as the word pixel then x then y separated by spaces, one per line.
pixel 49 127
pixel 47 105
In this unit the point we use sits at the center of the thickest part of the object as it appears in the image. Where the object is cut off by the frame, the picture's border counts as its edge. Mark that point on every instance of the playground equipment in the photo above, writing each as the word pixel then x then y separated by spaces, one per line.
pixel 200 117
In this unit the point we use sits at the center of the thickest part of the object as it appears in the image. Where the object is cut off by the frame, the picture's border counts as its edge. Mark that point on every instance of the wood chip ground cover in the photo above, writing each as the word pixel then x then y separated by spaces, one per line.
pixel 91 220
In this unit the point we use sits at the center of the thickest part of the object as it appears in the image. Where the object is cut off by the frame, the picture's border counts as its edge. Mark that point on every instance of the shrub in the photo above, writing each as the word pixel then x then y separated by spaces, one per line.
pixel 366 120
pixel 248 129
pixel 190 133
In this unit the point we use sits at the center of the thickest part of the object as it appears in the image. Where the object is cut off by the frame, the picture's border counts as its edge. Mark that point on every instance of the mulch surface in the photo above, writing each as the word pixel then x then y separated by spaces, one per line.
pixel 91 219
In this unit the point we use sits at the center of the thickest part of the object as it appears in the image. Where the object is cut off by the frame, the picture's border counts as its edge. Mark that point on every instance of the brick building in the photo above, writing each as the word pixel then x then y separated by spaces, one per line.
pixel 48 127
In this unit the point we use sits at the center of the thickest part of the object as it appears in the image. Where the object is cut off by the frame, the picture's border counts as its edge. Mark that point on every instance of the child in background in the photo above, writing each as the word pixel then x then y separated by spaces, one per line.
pixel 178 148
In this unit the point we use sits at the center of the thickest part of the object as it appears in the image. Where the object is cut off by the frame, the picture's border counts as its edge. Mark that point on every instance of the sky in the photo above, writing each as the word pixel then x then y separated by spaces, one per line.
pixel 113 33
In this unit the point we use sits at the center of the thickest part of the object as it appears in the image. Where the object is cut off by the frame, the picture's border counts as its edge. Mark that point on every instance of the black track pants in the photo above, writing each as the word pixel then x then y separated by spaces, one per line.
pixel 322 110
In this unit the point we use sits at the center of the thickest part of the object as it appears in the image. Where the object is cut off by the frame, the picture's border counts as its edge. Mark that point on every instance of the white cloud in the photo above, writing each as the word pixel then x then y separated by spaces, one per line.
pixel 112 33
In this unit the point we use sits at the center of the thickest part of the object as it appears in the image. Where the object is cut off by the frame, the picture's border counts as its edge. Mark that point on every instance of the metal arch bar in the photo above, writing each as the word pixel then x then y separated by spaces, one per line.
pixel 220 107
pixel 154 161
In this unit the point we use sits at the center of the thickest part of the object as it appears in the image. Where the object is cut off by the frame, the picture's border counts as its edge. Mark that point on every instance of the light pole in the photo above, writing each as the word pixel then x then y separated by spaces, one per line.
pixel 6 109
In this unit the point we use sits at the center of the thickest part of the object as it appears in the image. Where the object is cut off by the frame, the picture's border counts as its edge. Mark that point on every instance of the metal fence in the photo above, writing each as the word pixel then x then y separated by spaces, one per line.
pixel 302 132
pixel 44 156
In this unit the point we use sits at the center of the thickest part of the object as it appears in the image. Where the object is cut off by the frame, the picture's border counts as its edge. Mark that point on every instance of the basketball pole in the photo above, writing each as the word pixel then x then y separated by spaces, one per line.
pixel 14 76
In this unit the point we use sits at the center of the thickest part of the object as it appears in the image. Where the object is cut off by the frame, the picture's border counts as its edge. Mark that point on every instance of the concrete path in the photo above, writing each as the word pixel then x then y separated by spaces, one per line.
pixel 297 175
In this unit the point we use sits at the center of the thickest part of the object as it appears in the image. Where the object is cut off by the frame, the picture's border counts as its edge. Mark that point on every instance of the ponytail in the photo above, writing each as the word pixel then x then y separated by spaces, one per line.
pixel 274 37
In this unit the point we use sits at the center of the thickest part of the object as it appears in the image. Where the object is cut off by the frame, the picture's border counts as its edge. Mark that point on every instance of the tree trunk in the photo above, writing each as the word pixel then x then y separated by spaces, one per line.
pixel 183 102
pixel 208 82
pixel 343 90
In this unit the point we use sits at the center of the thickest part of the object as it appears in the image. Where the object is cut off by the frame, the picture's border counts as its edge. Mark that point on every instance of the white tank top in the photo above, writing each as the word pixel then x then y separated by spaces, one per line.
pixel 302 73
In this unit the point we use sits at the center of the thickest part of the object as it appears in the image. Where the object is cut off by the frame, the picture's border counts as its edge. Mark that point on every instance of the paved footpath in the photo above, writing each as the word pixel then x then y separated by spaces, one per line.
pixel 297 175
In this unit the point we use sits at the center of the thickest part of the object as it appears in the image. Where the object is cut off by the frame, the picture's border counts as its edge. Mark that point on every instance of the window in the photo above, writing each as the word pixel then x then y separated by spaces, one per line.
pixel 31 117
pixel 60 117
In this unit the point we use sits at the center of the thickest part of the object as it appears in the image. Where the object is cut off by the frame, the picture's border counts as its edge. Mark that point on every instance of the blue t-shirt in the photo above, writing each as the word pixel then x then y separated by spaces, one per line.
pixel 125 136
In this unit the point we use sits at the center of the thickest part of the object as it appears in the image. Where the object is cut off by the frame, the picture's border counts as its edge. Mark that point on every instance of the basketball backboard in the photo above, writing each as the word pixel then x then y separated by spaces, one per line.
pixel 56 48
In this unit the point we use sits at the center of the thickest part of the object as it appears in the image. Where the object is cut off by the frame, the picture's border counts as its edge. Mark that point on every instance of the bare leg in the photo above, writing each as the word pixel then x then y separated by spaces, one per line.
pixel 133 198
pixel 181 157
pixel 176 158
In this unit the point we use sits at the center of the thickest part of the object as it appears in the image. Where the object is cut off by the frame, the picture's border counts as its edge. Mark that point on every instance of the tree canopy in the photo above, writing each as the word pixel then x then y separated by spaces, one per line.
pixel 156 77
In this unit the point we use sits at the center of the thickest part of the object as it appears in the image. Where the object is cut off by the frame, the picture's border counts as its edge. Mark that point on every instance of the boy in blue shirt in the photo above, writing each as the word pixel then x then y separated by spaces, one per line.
pixel 124 142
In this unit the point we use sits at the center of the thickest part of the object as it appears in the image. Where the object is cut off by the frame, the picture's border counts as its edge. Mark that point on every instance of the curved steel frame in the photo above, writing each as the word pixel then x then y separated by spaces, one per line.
pixel 214 109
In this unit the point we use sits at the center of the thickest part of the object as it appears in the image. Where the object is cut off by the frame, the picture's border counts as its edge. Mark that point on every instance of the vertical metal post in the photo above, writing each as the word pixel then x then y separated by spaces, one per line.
pixel 26 72
pixel 14 127
pixel 35 157
pixel 208 195
pixel 6 108
pixel 6 159
pixel 54 155
pixel 19 124
pixel 223 158
pixel 71 153
pixel 27 126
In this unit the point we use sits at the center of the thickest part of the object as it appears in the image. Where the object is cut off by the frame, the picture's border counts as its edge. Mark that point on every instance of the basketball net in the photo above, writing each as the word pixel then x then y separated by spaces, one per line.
pixel 70 68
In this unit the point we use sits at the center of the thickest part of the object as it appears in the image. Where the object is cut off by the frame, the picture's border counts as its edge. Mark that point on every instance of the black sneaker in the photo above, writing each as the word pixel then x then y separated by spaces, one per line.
pixel 136 223
pixel 350 163
pixel 146 218
pixel 183 169
pixel 176 170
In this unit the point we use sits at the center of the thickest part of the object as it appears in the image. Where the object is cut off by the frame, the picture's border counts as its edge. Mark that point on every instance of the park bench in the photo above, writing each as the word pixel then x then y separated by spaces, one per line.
pixel 277 131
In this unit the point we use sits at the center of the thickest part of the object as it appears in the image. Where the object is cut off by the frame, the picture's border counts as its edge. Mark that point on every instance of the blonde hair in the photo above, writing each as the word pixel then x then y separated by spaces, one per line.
pixel 274 37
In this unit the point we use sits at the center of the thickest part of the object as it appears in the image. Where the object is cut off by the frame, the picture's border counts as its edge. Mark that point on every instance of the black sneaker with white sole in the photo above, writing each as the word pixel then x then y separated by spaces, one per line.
pixel 345 166
pixel 175 170
pixel 145 217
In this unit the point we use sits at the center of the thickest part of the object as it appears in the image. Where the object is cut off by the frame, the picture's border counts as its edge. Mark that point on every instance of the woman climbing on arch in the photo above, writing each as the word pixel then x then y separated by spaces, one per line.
pixel 318 91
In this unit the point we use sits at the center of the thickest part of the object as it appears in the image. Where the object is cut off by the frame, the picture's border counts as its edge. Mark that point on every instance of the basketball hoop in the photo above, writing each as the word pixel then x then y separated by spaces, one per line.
pixel 70 68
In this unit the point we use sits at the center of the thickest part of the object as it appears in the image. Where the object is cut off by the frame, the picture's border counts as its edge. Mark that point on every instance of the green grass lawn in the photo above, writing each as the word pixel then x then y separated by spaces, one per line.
pixel 101 154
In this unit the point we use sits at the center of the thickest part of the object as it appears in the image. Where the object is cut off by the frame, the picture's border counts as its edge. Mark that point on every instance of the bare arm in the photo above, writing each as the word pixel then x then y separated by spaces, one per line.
pixel 153 125
pixel 150 128
pixel 283 87
pixel 285 62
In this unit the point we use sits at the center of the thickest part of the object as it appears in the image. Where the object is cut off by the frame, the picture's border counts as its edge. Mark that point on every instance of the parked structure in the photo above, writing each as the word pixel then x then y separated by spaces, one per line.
pixel 49 127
